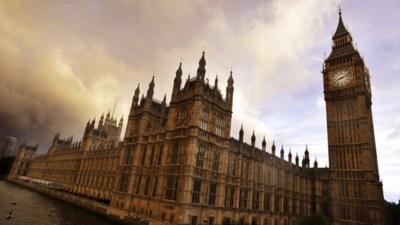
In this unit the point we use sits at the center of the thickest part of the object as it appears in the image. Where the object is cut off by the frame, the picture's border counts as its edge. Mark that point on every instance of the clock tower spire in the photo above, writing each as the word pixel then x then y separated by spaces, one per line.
pixel 357 196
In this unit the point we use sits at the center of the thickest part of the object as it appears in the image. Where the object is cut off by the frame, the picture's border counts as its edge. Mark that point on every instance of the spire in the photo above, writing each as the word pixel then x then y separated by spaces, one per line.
pixel 121 121
pixel 315 163
pixel 101 119
pixel 241 133
pixel 135 99
pixel 229 91
pixel 150 91
pixel 273 147
pixel 230 79
pixel 290 155
pixel 93 122
pixel 179 70
pixel 253 139
pixel 177 80
pixel 282 152
pixel 297 159
pixel 216 83
pixel 201 71
pixel 341 29
pixel 108 116
pixel 264 144
pixel 306 153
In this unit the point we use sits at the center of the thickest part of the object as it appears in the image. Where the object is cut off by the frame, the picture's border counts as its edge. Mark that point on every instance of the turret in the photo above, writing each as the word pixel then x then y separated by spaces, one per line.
pixel 264 144
pixel 229 91
pixel 108 117
pixel 177 80
pixel 307 157
pixel 273 148
pixel 201 71
pixel 101 121
pixel 253 139
pixel 290 156
pixel 56 137
pixel 135 99
pixel 315 163
pixel 282 152
pixel 150 91
pixel 297 159
pixel 93 122
pixel 241 133
pixel 121 122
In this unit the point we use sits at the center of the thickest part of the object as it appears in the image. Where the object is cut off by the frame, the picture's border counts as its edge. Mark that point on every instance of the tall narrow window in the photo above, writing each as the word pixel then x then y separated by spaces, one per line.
pixel 138 183
pixel 160 151
pixel 124 183
pixel 153 149
pixel 267 201
pixel 276 203
pixel 172 187
pixel 175 152
pixel 255 200
pixel 155 187
pixel 219 124
pixel 146 186
pixel 229 196
pixel 193 220
pixel 243 199
pixel 196 191
pixel 144 155
pixel 215 161
pixel 200 155
pixel 212 194
pixel 204 119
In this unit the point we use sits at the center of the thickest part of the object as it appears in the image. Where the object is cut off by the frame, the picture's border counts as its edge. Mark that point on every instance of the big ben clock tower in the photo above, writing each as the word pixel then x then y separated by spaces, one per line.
pixel 357 196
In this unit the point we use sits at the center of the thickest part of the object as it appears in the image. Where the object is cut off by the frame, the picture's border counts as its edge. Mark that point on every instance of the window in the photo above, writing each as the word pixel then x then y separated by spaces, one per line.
pixel 172 187
pixel 219 124
pixel 155 187
pixel 204 119
pixel 243 199
pixel 211 221
pixel 146 186
pixel 193 220
pixel 175 152
pixel 267 201
pixel 144 155
pixel 200 155
pixel 138 183
pixel 123 187
pixel 229 196
pixel 215 161
pixel 182 114
pixel 196 191
pixel 276 203
pixel 232 166
pixel 212 194
pixel 160 155
pixel 255 200
pixel 153 149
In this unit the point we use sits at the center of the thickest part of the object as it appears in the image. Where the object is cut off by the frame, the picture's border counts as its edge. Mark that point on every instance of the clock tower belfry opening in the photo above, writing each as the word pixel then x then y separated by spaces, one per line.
pixel 357 196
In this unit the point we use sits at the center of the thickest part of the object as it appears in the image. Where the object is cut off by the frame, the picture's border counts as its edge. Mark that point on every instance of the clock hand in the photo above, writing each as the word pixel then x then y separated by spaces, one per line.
pixel 340 78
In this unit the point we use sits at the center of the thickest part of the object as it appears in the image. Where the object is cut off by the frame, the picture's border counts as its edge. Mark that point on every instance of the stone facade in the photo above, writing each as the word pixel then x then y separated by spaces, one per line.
pixel 178 163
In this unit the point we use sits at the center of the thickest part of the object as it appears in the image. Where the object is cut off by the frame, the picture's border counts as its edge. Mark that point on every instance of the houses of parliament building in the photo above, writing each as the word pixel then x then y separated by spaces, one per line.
pixel 178 164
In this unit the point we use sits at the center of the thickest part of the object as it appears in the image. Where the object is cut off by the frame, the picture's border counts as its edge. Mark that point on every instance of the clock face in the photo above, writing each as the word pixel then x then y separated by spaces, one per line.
pixel 341 78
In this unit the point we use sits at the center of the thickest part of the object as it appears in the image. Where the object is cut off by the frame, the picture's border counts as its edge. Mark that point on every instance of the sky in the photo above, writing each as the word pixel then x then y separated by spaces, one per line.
pixel 64 62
